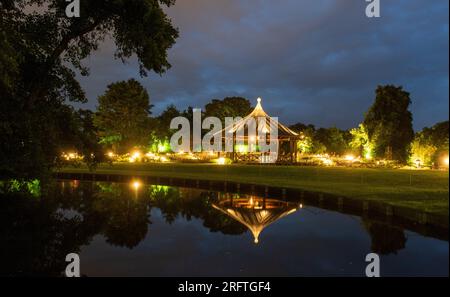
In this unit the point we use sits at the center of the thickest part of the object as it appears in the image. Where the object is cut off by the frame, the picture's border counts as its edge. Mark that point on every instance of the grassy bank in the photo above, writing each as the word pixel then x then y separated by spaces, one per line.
pixel 421 190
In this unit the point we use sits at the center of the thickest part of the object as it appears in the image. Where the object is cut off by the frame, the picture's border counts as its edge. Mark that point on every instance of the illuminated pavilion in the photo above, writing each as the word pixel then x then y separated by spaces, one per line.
pixel 256 213
pixel 286 138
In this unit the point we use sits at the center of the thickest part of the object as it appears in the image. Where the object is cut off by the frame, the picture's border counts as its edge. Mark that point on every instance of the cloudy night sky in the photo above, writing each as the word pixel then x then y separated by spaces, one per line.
pixel 312 61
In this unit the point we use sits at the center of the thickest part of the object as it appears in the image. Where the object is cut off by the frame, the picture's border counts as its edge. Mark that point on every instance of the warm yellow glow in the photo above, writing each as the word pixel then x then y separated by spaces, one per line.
pixel 327 162
pixel 69 156
pixel 259 99
pixel 110 154
pixel 368 156
pixel 252 138
pixel 135 156
pixel 163 159
pixel 136 185
pixel 350 158
pixel 446 161
pixel 418 163
pixel 221 161
pixel 300 206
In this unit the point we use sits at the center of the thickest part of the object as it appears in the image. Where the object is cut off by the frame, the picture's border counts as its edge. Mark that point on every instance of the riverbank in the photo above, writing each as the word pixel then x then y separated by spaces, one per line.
pixel 423 190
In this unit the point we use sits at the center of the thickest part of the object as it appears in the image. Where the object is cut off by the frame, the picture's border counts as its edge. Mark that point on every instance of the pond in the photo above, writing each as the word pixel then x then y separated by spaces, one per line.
pixel 134 229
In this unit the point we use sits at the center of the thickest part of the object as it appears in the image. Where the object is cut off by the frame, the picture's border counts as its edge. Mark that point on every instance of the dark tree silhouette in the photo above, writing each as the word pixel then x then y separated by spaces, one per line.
pixel 38 54
pixel 389 123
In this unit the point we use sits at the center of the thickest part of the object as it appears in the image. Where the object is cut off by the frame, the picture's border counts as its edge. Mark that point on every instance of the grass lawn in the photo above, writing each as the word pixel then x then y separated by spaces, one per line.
pixel 423 190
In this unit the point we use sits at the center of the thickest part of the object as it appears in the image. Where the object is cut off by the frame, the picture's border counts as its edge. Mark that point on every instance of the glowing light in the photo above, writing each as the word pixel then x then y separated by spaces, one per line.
pixel 301 205
pixel 163 147
pixel 221 161
pixel 69 156
pixel 368 156
pixel 163 159
pixel 327 162
pixel 418 163
pixel 350 158
pixel 135 156
pixel 446 161
pixel 110 154
pixel 241 148
pixel 259 99
pixel 136 185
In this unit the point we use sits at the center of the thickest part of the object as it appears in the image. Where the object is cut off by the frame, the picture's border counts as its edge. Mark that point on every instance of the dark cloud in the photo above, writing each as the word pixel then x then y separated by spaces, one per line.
pixel 311 61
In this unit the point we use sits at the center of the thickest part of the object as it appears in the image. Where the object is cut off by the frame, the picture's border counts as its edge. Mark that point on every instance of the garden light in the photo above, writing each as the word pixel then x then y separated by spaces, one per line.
pixel 221 161
pixel 350 158
pixel 136 185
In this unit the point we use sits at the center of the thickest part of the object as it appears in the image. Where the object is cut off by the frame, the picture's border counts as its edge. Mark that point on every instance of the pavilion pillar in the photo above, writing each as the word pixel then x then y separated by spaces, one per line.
pixel 233 154
pixel 295 150
pixel 291 149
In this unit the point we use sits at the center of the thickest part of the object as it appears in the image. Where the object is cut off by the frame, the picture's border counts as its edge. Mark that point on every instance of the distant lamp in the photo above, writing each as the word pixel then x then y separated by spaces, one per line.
pixel 221 161
pixel 135 156
pixel 350 158
pixel 136 185
pixel 327 162
pixel 418 163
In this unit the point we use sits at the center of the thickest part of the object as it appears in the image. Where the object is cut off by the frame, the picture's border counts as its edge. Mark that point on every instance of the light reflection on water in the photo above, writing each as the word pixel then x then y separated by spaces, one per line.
pixel 153 230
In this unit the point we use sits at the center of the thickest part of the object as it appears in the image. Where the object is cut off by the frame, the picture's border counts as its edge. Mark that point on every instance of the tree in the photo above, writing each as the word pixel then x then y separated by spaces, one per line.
pixel 333 139
pixel 164 120
pixel 305 144
pixel 228 107
pixel 123 115
pixel 160 129
pixel 39 51
pixel 360 141
pixel 323 140
pixel 389 123
pixel 430 145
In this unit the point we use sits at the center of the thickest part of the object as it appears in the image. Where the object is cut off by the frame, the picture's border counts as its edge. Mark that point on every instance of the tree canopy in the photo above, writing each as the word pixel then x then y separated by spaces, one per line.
pixel 123 115
pixel 41 50
pixel 389 123
pixel 228 107
pixel 430 145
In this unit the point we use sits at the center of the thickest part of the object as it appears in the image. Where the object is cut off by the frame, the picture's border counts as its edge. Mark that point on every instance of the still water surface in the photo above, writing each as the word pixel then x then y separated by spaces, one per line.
pixel 153 230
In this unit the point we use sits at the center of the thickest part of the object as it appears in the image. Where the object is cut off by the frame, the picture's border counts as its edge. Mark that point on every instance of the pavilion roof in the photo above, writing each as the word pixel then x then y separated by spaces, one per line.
pixel 257 113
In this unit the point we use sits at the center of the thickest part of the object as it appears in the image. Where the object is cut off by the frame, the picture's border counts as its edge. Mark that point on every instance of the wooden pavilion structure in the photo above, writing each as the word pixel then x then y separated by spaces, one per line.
pixel 286 139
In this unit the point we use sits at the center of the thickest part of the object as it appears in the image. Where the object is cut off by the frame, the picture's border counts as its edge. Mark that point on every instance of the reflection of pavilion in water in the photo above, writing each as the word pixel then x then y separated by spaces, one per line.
pixel 256 213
